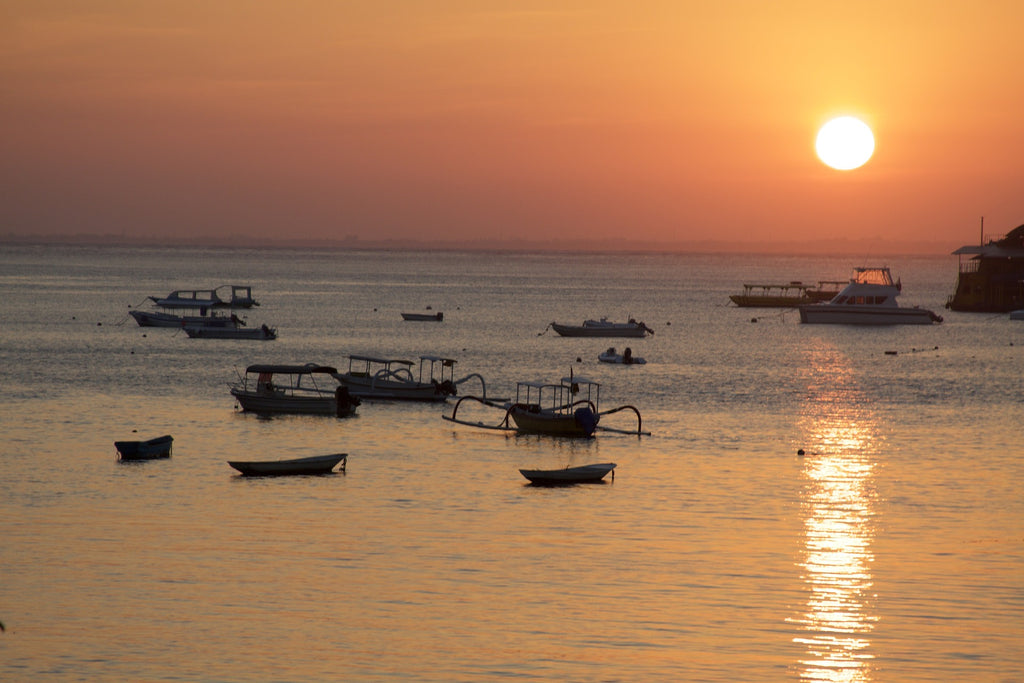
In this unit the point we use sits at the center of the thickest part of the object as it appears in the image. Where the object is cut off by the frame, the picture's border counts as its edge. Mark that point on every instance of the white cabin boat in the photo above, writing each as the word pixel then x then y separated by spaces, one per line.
pixel 234 296
pixel 300 389
pixel 869 299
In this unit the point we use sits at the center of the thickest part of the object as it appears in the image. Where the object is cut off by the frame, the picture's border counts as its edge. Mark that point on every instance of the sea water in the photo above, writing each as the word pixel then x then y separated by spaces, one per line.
pixel 891 550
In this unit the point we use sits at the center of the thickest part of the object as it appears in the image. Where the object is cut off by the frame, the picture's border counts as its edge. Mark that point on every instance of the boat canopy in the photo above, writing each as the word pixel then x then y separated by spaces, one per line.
pixel 386 361
pixel 307 369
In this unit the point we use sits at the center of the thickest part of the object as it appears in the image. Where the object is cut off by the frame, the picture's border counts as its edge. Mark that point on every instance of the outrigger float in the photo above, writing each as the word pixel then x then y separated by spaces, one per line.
pixel 569 408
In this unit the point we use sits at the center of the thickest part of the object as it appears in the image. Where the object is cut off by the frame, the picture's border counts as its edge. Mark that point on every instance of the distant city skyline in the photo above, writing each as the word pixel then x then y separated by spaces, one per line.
pixel 604 125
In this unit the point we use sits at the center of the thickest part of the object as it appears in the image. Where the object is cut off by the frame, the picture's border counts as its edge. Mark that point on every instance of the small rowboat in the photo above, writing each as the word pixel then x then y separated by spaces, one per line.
pixel 435 317
pixel 160 447
pixel 584 474
pixel 317 464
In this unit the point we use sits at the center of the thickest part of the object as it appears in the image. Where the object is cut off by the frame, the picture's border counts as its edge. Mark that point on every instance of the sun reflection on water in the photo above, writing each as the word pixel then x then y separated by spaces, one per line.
pixel 841 433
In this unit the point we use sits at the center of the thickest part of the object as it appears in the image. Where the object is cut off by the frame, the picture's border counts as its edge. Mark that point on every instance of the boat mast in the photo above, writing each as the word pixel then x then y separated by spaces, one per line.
pixel 981 241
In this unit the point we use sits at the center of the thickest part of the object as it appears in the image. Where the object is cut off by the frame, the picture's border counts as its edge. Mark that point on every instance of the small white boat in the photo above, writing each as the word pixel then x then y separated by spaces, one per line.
pixel 625 358
pixel 869 299
pixel 204 332
pixel 239 296
pixel 603 328
pixel 431 317
pixel 299 389
pixel 583 474
pixel 160 447
pixel 317 464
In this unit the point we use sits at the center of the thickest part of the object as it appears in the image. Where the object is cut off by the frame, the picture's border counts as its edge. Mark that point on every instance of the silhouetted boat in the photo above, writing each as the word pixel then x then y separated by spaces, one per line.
pixel 583 474
pixel 160 447
pixel 317 464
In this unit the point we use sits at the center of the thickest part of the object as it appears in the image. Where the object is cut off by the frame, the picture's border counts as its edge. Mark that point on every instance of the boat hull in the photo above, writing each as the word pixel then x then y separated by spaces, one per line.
pixel 157 319
pixel 551 424
pixel 266 404
pixel 843 314
pixel 206 332
pixel 753 301
pixel 584 474
pixel 388 390
pixel 426 317
pixel 317 464
pixel 600 331
pixel 152 449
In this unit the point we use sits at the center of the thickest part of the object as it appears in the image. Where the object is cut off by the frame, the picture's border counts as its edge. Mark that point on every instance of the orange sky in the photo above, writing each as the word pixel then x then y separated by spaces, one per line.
pixel 453 120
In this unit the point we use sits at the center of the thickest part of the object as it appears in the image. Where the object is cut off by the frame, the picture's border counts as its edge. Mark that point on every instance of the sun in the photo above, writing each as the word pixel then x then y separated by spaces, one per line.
pixel 845 143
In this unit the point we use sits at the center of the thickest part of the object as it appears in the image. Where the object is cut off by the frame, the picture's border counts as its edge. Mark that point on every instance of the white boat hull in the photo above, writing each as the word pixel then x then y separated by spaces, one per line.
pixel 844 314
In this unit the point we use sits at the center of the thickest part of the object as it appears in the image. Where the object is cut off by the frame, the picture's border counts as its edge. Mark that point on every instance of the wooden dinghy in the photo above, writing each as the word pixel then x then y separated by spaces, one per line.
pixel 317 464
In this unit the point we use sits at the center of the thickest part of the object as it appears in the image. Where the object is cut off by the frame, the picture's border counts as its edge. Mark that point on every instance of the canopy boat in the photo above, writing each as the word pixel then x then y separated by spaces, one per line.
pixel 788 295
pixel 392 379
pixel 160 447
pixel 603 328
pixel 582 474
pixel 161 319
pixel 214 332
pixel 569 408
pixel 435 317
pixel 300 389
pixel 238 296
pixel 868 299
pixel 624 358
pixel 317 464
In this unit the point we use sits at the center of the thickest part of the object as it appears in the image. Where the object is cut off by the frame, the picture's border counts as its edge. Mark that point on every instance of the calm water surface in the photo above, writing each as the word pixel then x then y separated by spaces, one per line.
pixel 892 551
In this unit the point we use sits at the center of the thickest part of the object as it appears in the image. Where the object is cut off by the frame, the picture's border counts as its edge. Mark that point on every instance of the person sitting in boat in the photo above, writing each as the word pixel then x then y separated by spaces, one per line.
pixel 627 355
pixel 345 401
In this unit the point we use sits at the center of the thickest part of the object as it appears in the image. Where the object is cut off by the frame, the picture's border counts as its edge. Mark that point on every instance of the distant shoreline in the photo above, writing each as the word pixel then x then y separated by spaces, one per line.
pixel 869 248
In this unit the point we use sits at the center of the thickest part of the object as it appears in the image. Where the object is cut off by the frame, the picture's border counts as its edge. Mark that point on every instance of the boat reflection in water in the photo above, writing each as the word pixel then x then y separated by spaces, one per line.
pixel 840 430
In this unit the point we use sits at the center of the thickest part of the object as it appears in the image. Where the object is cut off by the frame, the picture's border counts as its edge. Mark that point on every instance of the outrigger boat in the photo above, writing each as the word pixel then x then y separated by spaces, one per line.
pixel 295 390
pixel 569 408
pixel 392 379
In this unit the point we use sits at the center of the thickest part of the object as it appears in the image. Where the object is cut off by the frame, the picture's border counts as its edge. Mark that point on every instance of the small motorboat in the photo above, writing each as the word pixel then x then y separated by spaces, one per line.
pixel 583 474
pixel 603 328
pixel 160 447
pixel 203 332
pixel 317 464
pixel 624 358
pixel 434 317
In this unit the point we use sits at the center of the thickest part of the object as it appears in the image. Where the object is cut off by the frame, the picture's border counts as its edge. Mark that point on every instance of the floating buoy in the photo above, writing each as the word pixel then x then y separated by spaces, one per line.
pixel 753 320
pixel 800 451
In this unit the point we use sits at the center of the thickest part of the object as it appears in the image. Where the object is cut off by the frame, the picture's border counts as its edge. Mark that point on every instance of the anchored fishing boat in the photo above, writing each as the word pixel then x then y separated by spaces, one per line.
pixel 317 464
pixel 391 379
pixel 262 332
pixel 569 408
pixel 268 389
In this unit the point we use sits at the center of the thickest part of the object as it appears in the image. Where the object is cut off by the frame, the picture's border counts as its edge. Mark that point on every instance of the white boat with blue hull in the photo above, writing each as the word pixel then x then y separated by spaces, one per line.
pixel 869 299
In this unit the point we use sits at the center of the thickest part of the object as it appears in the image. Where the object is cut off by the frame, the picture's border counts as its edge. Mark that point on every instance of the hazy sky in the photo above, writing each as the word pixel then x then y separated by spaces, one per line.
pixel 583 120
